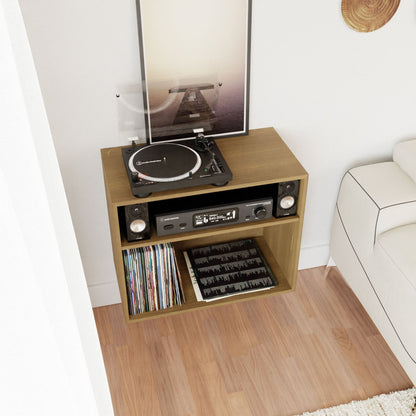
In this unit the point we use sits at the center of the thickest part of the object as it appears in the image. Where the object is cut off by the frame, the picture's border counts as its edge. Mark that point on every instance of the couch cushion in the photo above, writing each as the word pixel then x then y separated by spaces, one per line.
pixel 399 245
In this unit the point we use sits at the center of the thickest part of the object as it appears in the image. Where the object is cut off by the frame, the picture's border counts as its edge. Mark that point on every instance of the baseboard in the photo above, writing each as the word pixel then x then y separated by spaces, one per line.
pixel 313 256
pixel 103 294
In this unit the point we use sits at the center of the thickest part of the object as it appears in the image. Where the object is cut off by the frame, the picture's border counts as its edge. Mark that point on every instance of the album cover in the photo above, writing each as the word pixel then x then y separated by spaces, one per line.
pixel 228 269
pixel 195 67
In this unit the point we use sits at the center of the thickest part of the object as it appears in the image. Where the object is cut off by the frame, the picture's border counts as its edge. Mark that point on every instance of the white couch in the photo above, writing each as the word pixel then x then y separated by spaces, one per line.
pixel 373 243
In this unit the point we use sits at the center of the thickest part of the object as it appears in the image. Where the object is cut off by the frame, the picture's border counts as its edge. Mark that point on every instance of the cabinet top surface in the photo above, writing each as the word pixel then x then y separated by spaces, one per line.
pixel 259 158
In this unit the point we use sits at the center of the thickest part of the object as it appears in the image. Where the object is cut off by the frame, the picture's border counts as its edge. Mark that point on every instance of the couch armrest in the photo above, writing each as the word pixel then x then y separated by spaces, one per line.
pixel 374 199
pixel 404 154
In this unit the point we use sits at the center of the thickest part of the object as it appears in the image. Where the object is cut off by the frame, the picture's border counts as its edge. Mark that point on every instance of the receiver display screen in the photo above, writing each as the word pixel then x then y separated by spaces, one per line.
pixel 215 217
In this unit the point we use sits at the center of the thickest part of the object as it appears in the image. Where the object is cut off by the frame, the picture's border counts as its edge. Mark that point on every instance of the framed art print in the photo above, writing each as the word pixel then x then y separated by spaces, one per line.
pixel 195 58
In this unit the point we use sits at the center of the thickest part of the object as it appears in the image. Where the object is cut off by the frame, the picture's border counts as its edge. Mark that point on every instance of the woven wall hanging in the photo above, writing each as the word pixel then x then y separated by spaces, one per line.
pixel 368 15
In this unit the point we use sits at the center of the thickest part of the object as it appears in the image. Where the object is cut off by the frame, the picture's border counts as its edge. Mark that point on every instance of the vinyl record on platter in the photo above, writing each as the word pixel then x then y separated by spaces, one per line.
pixel 165 162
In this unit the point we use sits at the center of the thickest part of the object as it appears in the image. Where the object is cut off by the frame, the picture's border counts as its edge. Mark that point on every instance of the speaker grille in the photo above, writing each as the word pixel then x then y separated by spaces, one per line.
pixel 287 198
pixel 134 214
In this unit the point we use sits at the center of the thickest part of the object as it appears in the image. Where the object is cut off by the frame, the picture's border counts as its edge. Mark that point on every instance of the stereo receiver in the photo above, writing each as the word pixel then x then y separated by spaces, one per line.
pixel 213 216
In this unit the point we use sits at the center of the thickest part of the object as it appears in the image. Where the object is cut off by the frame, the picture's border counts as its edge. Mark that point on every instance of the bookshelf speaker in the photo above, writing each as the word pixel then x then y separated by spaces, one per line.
pixel 287 198
pixel 137 222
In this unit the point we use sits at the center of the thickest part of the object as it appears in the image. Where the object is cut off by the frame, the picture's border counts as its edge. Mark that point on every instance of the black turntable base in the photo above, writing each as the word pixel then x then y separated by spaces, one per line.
pixel 165 166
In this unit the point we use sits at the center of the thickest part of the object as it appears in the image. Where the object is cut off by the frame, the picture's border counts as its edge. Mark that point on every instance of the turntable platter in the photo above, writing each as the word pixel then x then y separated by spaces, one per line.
pixel 167 166
pixel 165 162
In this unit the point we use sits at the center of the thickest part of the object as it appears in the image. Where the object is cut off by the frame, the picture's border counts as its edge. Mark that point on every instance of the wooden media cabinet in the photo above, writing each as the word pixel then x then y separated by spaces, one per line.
pixel 258 159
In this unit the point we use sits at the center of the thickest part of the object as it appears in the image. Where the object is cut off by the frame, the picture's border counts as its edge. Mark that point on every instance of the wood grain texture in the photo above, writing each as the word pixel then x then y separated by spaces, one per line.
pixel 256 159
pixel 367 16
pixel 280 355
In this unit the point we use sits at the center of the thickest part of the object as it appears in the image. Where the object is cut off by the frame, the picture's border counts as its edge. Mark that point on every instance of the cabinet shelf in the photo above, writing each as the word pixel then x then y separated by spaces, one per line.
pixel 191 302
pixel 258 159
pixel 193 235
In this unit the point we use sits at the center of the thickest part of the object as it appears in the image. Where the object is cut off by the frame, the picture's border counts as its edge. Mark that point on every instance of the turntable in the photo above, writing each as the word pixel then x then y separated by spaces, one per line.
pixel 165 166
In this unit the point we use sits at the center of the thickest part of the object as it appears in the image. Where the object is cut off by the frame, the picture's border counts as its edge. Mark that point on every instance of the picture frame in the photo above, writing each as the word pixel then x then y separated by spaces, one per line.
pixel 195 64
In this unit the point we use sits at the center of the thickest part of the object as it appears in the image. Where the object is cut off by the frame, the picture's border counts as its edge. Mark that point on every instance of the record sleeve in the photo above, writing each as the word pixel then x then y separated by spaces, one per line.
pixel 228 269
pixel 152 278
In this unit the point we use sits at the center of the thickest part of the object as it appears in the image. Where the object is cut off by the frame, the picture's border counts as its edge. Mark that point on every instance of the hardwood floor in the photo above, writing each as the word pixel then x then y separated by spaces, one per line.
pixel 280 355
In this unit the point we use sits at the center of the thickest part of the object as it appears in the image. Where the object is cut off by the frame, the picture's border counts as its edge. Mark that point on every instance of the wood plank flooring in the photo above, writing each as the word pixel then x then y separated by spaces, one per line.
pixel 275 356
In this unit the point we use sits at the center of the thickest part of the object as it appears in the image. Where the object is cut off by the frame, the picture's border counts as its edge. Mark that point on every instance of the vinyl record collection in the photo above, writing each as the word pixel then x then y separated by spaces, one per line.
pixel 152 277
pixel 228 269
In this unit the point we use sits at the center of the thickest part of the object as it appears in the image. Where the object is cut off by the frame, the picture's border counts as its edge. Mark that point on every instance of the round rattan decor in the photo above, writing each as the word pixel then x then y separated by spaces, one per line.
pixel 368 15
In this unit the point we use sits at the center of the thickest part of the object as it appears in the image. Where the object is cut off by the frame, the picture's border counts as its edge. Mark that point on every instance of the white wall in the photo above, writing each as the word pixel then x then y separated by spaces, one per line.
pixel 339 98
pixel 51 360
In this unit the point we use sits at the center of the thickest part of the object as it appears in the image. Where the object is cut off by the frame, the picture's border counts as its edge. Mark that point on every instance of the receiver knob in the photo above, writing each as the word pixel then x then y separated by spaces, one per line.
pixel 260 212
pixel 287 202
pixel 137 226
